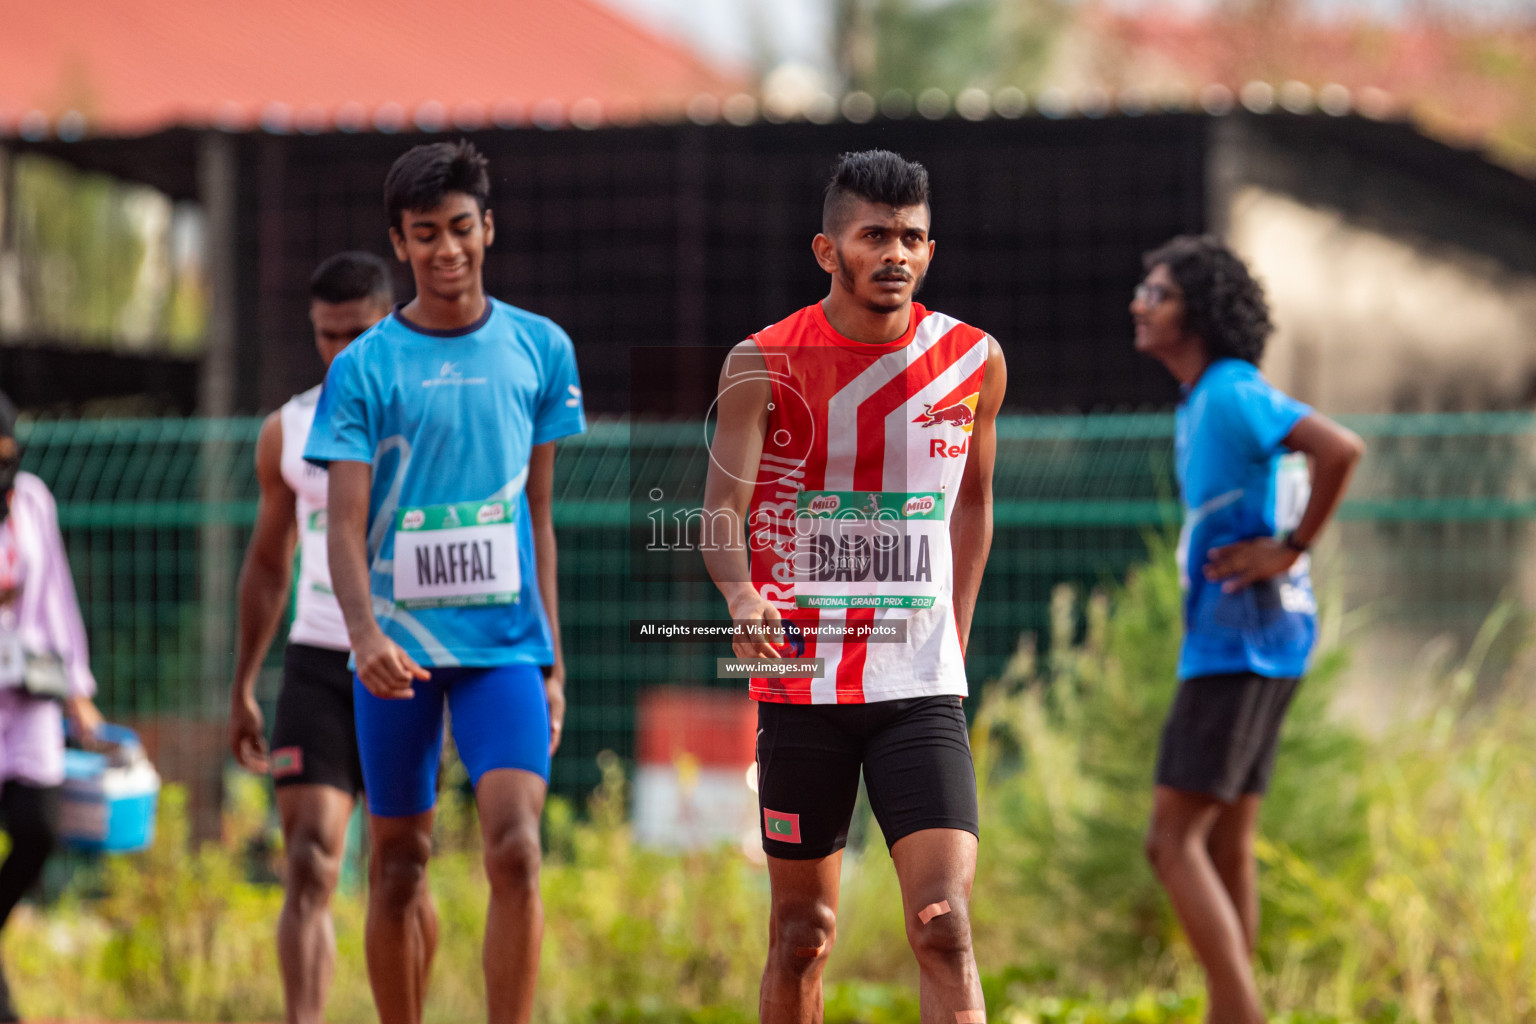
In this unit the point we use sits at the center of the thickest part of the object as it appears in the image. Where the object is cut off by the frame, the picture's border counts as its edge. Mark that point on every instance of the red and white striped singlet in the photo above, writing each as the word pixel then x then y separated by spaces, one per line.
pixel 860 433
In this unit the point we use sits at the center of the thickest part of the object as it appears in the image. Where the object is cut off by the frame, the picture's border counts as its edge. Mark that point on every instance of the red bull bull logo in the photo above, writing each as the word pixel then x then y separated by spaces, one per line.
pixel 961 414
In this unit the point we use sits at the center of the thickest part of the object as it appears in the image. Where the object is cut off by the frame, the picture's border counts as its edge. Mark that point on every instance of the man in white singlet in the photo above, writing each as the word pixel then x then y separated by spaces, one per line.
pixel 313 760
pixel 853 452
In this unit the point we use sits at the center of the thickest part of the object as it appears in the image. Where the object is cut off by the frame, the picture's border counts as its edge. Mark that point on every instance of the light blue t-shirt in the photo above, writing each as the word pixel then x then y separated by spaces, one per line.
pixel 1239 482
pixel 449 418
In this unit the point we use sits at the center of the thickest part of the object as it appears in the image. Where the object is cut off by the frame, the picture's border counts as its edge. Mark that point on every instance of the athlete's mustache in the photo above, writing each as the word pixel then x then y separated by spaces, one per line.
pixel 892 274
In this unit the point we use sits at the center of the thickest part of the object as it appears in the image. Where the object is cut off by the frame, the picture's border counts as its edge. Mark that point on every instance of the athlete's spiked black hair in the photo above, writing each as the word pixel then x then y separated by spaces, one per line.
pixel 423 175
pixel 352 275
pixel 1223 304
pixel 873 175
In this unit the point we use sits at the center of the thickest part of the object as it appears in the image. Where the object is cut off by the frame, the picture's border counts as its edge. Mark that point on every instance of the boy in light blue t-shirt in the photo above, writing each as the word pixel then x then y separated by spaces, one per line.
pixel 1250 514
pixel 438 427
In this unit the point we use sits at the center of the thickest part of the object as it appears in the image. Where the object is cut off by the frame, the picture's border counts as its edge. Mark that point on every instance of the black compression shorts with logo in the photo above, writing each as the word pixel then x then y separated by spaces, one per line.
pixel 916 759
pixel 314 736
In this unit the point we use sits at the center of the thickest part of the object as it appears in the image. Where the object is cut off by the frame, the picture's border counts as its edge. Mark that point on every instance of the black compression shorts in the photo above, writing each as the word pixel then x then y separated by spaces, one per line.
pixel 916 758
pixel 1222 733
pixel 314 737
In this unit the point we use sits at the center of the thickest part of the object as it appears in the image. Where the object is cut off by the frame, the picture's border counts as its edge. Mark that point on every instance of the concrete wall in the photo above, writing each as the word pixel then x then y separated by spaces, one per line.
pixel 1372 322
pixel 1392 289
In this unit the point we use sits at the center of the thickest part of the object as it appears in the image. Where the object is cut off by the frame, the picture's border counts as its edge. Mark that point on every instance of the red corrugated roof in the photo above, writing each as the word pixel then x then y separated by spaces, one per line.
pixel 133 66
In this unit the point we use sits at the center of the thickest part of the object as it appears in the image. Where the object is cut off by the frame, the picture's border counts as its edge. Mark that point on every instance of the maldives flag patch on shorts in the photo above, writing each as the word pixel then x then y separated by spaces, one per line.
pixel 288 761
pixel 782 827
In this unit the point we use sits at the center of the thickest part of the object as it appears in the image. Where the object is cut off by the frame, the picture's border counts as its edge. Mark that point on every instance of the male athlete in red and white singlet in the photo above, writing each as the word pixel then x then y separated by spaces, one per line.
pixel 854 449
pixel 889 422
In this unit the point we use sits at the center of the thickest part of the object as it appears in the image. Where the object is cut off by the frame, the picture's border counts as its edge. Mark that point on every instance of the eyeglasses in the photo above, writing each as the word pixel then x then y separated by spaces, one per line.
pixel 1154 295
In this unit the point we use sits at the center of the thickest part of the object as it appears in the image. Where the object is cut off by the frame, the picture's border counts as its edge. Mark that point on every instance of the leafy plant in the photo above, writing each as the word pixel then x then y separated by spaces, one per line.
pixel 1397 883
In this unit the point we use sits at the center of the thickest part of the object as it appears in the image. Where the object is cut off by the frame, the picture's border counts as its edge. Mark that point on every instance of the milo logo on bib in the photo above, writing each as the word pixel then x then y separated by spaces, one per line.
pixel 870 549
pixel 892 505
pixel 456 555
pixel 918 506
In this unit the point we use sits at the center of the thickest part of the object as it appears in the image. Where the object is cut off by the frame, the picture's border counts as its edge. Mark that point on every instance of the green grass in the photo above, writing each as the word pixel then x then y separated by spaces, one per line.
pixel 1398 878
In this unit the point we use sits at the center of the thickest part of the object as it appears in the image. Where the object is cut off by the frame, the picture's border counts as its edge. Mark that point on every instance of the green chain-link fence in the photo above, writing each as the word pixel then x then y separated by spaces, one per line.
pixel 157 513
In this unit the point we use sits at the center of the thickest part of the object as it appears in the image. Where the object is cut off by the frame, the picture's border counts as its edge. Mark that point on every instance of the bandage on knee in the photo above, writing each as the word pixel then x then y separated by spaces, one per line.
pixel 810 952
pixel 970 1017
pixel 932 911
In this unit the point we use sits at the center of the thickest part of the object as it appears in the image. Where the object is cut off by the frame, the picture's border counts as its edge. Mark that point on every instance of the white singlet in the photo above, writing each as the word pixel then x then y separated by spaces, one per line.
pixel 317 618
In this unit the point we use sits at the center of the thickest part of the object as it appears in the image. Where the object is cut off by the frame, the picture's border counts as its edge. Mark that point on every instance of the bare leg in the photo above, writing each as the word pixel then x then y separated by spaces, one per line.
pixel 1176 846
pixel 1231 850
pixel 402 923
pixel 314 821
pixel 936 867
pixel 510 802
pixel 802 924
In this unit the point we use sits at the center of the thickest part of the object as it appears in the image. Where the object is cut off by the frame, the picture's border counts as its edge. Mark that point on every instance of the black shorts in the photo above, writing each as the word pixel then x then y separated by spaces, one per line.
pixel 314 737
pixel 1222 733
pixel 916 757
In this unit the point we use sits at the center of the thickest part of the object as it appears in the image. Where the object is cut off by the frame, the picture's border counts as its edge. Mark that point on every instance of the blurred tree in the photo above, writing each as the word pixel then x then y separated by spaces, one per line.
pixel 94 261
pixel 857 42
pixel 912 45
pixel 80 252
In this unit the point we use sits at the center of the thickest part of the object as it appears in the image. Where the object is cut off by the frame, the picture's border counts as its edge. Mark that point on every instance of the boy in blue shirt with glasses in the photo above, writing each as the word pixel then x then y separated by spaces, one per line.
pixel 1251 512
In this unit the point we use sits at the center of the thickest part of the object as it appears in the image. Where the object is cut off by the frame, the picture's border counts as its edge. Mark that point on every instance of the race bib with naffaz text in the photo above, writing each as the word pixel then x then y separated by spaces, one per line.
pixel 456 555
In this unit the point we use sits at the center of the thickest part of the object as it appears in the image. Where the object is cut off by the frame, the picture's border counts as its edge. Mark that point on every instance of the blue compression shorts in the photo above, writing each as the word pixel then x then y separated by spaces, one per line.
pixel 500 719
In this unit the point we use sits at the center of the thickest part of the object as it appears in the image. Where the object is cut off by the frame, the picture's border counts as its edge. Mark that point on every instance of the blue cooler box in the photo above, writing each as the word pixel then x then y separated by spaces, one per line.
pixel 109 800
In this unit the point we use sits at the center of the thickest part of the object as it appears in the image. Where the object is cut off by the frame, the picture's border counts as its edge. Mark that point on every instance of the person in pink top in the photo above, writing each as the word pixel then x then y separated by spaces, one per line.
pixel 45 674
